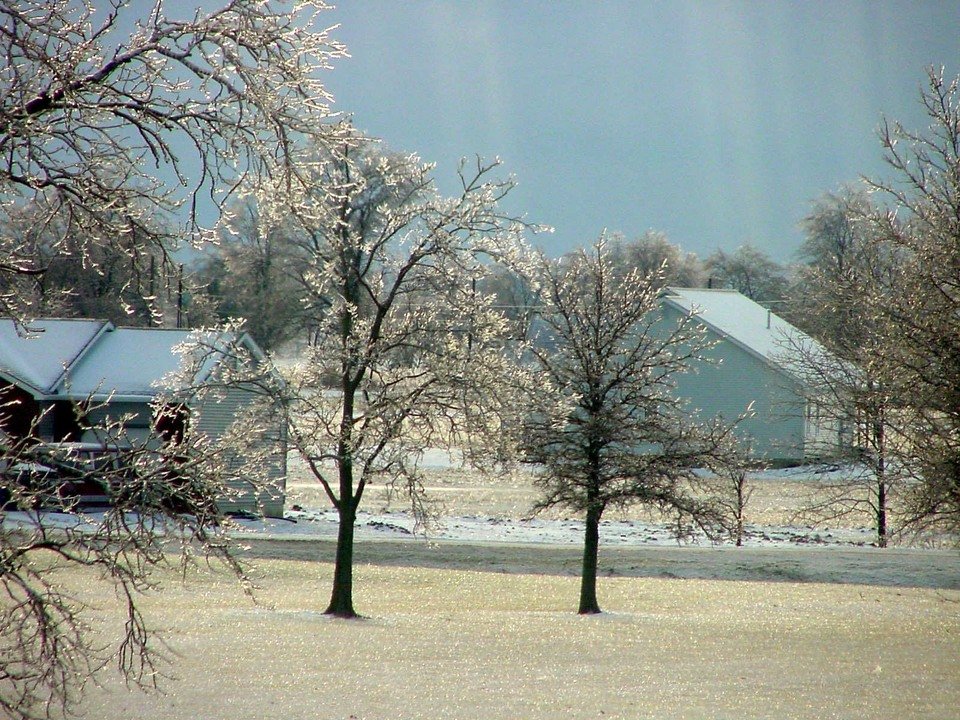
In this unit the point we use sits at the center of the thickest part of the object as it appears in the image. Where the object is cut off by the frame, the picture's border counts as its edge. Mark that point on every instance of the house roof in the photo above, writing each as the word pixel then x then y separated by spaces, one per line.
pixel 125 362
pixel 735 317
pixel 94 359
pixel 36 354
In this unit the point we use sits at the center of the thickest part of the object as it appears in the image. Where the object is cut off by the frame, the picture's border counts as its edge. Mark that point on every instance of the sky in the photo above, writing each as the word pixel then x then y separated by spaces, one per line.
pixel 717 123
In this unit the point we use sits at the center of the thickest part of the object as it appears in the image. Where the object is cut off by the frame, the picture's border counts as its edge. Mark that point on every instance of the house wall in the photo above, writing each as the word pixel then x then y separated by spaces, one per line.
pixel 733 379
pixel 58 421
pixel 827 435
pixel 213 416
pixel 137 420
pixel 18 410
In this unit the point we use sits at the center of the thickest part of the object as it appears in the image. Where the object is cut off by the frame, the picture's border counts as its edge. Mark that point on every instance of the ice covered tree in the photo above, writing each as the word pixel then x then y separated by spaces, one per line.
pixel 162 511
pixel 748 270
pixel 843 372
pixel 653 252
pixel 122 135
pixel 254 274
pixel 605 428
pixel 841 256
pixel 920 349
pixel 514 296
pixel 406 353
pixel 116 133
pixel 845 385
pixel 886 280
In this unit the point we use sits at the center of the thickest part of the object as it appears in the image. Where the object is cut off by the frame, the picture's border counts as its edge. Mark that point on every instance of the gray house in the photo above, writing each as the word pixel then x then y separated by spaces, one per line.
pixel 51 367
pixel 750 365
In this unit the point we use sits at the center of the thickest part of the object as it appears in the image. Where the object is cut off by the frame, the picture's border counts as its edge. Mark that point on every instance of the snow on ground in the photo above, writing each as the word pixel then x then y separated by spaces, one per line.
pixel 322 523
pixel 511 527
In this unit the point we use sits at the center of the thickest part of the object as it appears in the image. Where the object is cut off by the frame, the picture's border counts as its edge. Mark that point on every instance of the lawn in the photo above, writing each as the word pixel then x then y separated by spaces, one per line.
pixel 446 642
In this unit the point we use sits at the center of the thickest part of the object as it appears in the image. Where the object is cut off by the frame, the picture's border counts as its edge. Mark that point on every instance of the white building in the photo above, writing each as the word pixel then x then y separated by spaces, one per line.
pixel 750 367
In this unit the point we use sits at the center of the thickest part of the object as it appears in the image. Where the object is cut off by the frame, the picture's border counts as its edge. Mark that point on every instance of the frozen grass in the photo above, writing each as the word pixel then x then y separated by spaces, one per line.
pixel 484 631
pixel 448 643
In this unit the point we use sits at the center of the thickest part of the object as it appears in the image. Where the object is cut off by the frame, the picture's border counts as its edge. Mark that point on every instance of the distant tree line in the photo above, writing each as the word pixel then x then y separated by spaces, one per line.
pixel 261 278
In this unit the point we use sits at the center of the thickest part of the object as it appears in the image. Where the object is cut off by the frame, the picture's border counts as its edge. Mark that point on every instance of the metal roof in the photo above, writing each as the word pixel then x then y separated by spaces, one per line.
pixel 125 362
pixel 746 323
pixel 82 359
pixel 37 353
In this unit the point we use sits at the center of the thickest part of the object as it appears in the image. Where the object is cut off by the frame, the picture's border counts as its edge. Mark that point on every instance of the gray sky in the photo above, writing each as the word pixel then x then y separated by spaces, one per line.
pixel 715 122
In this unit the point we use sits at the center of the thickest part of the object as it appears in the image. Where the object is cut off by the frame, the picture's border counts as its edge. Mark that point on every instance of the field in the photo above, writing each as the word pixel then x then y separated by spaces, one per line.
pixel 459 629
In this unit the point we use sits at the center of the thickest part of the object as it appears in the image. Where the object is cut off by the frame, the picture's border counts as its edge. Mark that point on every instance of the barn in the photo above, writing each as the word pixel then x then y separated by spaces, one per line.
pixel 750 365
pixel 51 368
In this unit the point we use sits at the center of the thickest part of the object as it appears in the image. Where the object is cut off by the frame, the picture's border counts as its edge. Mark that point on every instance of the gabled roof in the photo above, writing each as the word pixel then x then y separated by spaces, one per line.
pixel 81 359
pixel 36 354
pixel 747 324
pixel 125 362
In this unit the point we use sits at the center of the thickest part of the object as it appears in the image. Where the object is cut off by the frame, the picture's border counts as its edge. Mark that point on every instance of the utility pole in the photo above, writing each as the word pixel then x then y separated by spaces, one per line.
pixel 180 297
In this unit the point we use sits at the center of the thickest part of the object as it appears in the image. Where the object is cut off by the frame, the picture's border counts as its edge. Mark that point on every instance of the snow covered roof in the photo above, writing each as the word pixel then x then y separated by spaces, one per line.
pixel 94 359
pixel 37 353
pixel 743 322
pixel 125 362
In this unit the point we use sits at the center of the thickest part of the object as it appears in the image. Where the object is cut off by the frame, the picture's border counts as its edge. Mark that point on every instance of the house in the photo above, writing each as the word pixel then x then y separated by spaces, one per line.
pixel 751 365
pixel 55 370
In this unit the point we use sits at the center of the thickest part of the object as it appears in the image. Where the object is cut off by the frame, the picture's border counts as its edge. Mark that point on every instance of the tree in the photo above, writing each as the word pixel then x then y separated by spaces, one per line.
pixel 749 271
pixel 888 279
pixel 514 296
pixel 653 252
pixel 605 428
pixel 843 384
pixel 846 380
pixel 841 255
pixel 406 353
pixel 920 350
pixel 161 509
pixel 254 275
pixel 125 141
pixel 112 146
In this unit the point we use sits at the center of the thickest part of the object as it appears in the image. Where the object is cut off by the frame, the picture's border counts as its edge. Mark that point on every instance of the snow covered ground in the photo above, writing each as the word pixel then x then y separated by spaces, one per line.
pixel 478 620
pixel 322 523
pixel 474 509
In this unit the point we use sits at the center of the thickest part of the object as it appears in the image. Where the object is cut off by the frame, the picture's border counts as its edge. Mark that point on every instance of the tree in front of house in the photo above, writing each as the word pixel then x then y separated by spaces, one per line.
pixel 117 132
pixel 884 281
pixel 605 429
pixel 918 348
pixel 406 353
pixel 160 509
pixel 842 371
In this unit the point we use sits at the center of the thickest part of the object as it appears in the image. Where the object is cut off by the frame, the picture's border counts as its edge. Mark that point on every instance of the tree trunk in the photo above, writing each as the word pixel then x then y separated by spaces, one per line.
pixel 881 472
pixel 588 577
pixel 341 599
pixel 741 504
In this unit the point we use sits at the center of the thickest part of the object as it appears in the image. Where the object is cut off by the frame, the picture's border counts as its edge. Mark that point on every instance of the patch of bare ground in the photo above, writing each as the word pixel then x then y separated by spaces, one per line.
pixel 892 567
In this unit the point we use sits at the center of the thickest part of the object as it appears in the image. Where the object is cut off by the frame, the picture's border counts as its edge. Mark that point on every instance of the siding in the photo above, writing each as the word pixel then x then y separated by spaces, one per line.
pixel 726 388
pixel 214 418
pixel 216 414
pixel 137 428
